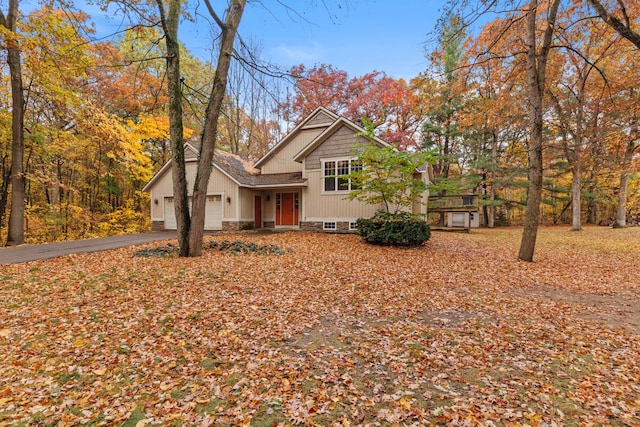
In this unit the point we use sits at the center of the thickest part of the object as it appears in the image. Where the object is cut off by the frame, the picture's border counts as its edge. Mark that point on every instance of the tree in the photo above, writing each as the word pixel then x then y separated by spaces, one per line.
pixel 10 37
pixel 210 131
pixel 386 176
pixel 537 52
pixel 387 102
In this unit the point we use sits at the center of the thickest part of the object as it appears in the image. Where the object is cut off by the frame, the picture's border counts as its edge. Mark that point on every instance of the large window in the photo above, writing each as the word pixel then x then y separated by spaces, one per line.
pixel 334 174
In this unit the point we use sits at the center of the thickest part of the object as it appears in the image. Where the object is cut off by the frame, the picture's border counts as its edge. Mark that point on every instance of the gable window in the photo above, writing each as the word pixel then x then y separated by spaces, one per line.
pixel 334 174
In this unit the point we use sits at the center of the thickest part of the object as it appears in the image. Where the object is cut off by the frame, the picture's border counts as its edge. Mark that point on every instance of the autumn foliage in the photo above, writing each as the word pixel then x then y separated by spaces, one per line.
pixel 332 332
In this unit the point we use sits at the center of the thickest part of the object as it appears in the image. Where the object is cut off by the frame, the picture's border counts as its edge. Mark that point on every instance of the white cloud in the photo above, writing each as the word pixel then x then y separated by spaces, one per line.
pixel 296 54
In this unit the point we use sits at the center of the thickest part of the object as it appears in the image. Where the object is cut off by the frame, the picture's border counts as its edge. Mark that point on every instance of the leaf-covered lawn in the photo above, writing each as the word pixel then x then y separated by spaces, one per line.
pixel 333 332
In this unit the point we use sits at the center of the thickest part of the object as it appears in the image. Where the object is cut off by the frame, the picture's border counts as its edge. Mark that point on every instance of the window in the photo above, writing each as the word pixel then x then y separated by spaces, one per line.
pixel 353 226
pixel 334 174
pixel 329 225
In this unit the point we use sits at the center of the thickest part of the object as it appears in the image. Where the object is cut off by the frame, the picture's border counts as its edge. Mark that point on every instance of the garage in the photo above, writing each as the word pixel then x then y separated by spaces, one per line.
pixel 212 217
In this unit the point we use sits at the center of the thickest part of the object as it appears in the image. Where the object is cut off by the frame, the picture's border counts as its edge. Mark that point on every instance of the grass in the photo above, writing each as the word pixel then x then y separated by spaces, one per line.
pixel 331 332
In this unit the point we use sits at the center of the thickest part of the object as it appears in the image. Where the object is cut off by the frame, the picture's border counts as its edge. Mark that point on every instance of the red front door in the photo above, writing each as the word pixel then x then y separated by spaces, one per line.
pixel 286 208
pixel 257 219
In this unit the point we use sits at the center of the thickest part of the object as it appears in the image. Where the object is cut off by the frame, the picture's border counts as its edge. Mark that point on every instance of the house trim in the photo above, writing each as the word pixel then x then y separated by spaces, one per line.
pixel 294 132
pixel 341 121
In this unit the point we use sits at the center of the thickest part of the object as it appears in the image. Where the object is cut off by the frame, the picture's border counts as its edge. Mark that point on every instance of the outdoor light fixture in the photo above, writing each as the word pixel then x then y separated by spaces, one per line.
pixel 228 199
pixel 268 197
pixel 155 201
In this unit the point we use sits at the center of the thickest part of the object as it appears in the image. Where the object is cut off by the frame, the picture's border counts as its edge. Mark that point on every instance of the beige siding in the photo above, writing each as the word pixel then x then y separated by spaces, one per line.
pixel 282 161
pixel 218 184
pixel 320 119
pixel 246 204
pixel 341 143
pixel 318 206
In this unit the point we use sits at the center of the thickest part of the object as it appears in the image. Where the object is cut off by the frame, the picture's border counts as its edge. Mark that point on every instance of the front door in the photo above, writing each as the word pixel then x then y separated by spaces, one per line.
pixel 257 211
pixel 287 208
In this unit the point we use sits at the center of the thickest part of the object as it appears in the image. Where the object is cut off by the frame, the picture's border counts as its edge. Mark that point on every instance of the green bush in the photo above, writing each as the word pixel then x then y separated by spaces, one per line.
pixel 400 229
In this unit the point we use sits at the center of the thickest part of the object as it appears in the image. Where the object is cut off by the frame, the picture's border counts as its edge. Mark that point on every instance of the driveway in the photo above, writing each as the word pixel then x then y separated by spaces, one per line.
pixel 25 253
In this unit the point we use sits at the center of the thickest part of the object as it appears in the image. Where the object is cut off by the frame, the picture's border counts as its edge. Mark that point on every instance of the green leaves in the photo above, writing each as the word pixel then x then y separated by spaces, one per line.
pixel 388 177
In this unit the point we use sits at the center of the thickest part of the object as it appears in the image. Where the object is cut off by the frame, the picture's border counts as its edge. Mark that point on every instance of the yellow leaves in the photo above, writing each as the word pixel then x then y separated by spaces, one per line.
pixel 4 333
pixel 334 333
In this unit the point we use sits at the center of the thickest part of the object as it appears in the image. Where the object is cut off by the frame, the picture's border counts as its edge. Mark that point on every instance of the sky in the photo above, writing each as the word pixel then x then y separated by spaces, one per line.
pixel 356 36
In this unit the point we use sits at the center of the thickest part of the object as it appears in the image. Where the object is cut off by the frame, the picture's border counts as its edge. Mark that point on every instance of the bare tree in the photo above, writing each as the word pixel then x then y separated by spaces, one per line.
pixel 16 217
pixel 537 56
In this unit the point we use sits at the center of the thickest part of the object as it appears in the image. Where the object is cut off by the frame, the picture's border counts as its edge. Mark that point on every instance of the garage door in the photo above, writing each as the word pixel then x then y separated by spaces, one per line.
pixel 169 214
pixel 212 213
pixel 458 219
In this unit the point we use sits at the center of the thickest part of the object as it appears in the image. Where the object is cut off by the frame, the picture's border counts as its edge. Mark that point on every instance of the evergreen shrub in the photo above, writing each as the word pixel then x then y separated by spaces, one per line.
pixel 400 229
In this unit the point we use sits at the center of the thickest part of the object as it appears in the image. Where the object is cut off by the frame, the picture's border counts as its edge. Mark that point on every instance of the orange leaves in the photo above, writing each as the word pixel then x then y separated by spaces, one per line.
pixel 335 332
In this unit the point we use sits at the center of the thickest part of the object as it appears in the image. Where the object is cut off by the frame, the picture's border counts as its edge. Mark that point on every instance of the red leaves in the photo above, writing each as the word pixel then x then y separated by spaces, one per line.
pixel 335 332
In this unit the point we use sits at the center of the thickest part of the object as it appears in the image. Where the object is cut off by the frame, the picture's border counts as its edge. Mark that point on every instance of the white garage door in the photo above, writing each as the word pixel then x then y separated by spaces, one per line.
pixel 169 214
pixel 212 215
pixel 458 219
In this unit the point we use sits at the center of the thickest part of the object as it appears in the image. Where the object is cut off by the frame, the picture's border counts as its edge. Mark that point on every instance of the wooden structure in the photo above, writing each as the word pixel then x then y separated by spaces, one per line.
pixel 457 213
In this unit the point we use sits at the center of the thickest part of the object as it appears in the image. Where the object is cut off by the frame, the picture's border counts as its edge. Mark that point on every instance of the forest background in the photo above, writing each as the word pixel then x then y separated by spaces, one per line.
pixel 96 124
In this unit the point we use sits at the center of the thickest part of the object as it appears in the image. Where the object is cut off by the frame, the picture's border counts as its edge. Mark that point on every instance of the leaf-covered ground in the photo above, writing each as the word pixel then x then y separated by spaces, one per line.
pixel 333 332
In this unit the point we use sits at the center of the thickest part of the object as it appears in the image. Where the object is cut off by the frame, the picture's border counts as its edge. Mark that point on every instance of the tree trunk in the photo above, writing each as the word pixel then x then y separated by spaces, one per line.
pixel 491 214
pixel 170 24
pixel 210 131
pixel 621 212
pixel 575 196
pixel 15 234
pixel 536 75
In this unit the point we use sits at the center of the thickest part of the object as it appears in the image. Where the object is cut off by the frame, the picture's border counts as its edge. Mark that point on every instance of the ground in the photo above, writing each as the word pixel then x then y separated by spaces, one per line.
pixel 331 332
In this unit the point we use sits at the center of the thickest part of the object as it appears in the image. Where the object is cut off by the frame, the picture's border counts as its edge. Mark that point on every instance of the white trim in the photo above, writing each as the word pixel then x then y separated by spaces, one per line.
pixel 326 225
pixel 323 177
pixel 341 121
pixel 294 132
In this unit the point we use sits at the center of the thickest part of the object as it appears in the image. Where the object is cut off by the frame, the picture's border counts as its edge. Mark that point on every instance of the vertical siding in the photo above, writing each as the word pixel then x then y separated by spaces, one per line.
pixel 282 160
pixel 246 204
pixel 218 184
pixel 318 206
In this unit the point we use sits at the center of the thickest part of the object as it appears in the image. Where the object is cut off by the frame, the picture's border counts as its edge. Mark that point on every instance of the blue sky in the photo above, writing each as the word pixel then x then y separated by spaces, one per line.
pixel 357 36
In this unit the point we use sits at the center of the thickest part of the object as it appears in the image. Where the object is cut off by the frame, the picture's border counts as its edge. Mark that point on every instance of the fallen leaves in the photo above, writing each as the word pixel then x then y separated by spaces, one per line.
pixel 334 332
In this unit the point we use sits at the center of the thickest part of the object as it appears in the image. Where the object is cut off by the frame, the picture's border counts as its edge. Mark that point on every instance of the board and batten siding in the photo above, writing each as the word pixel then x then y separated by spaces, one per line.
pixel 218 184
pixel 331 206
pixel 282 161
pixel 342 143
pixel 246 204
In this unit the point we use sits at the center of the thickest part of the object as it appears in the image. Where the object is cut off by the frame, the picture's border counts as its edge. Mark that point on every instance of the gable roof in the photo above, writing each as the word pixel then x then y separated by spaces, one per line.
pixel 235 168
pixel 320 117
pixel 340 122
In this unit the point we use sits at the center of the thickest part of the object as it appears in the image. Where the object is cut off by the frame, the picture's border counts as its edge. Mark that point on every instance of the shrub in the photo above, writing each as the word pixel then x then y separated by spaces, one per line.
pixel 400 229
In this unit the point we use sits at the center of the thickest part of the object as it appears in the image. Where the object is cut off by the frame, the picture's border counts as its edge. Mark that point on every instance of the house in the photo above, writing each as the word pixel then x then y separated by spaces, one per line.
pixel 296 185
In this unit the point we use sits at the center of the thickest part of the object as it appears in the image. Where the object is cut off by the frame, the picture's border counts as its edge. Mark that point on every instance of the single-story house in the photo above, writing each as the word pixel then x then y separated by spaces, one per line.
pixel 295 185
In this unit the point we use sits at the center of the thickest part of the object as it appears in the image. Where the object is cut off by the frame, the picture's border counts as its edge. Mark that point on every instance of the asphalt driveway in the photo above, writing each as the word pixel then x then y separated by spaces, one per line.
pixel 25 253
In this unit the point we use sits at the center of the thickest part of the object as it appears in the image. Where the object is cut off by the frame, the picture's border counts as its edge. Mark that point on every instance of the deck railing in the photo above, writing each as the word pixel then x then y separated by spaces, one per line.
pixel 453 203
